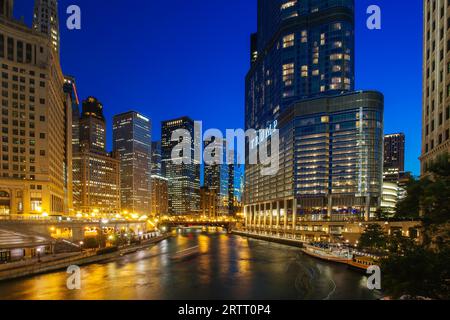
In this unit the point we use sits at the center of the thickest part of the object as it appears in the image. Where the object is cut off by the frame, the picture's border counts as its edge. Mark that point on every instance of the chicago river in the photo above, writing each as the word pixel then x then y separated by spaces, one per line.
pixel 228 267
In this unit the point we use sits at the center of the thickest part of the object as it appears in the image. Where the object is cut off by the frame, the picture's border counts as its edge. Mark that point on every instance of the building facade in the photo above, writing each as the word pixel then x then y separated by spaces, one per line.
pixel 301 82
pixel 96 172
pixel 436 82
pixel 184 179
pixel 156 158
pixel 208 202
pixel 132 142
pixel 36 152
pixel 160 194
pixel 46 21
pixel 394 156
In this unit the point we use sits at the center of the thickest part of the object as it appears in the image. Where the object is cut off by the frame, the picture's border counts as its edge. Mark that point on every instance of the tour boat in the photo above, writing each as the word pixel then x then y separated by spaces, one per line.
pixel 328 253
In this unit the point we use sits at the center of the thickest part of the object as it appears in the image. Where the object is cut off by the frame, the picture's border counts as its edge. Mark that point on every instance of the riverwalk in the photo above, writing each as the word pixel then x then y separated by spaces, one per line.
pixel 58 262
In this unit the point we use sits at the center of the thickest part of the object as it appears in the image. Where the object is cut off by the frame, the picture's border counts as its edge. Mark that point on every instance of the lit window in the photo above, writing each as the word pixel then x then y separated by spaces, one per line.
pixel 288 4
pixel 288 74
pixel 288 41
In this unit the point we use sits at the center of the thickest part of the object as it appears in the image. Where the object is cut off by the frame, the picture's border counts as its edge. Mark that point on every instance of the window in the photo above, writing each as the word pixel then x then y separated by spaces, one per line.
pixel 288 4
pixel 288 41
pixel 288 74
pixel 2 46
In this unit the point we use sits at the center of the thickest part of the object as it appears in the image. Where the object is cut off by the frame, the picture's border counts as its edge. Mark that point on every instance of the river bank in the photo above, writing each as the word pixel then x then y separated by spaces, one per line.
pixel 59 262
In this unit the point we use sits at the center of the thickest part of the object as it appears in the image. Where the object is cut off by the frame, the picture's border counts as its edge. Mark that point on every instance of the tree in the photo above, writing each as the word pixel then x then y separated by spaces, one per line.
pixel 373 238
pixel 419 272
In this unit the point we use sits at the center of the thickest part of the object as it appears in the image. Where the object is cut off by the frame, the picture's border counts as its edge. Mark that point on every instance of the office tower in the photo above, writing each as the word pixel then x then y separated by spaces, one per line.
pixel 132 142
pixel 301 49
pixel 301 83
pixel 184 179
pixel 92 126
pixel 96 172
pixel 70 88
pixel 217 178
pixel 436 87
pixel 156 158
pixel 160 190
pixel 394 156
pixel 46 21
pixel 35 169
pixel 208 202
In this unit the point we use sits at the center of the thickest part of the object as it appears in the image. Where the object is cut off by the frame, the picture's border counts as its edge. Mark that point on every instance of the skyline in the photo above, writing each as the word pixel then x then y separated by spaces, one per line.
pixel 215 33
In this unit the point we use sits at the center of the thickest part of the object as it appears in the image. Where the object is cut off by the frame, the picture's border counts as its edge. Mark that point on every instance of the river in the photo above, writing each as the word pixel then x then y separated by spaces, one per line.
pixel 229 267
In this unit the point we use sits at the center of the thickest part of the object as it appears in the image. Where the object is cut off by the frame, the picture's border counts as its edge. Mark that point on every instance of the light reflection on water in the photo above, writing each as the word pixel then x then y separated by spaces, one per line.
pixel 228 267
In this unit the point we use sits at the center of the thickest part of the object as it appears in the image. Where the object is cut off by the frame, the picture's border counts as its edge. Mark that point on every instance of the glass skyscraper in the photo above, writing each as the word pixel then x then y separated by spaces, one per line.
pixel 184 179
pixel 132 142
pixel 301 82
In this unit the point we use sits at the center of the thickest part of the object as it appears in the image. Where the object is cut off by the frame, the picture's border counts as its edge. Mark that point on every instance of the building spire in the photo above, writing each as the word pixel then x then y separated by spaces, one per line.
pixel 46 21
pixel 6 8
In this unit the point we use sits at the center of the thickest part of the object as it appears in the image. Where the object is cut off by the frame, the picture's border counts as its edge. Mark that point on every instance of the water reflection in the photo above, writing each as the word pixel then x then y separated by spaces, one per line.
pixel 229 267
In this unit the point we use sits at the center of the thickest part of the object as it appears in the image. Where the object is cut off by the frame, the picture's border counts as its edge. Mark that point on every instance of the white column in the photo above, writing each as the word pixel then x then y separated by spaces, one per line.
pixel 285 215
pixel 294 215
pixel 271 217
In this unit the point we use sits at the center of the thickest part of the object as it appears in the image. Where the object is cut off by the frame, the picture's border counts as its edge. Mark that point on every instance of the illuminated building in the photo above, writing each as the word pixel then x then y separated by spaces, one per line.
pixel 184 179
pixel 156 158
pixel 436 83
pixel 160 203
pixel 46 21
pixel 217 179
pixel 301 82
pixel 132 142
pixel 394 156
pixel 36 151
pixel 96 173
pixel 208 202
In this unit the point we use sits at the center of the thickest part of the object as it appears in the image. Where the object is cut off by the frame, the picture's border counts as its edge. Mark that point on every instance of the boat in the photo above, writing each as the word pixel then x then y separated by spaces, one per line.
pixel 187 253
pixel 328 252
pixel 361 262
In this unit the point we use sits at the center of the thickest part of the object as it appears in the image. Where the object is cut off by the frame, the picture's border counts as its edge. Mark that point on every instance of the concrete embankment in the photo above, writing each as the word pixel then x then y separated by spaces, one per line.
pixel 13 271
pixel 285 241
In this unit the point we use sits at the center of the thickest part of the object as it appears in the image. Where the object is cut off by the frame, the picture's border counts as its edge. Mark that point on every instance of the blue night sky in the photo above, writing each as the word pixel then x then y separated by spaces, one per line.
pixel 172 58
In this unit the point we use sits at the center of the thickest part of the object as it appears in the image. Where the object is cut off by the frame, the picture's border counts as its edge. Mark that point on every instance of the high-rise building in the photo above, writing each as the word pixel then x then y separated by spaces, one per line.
pixel 156 158
pixel 92 126
pixel 46 21
pixel 70 88
pixel 36 151
pixel 160 194
pixel 217 178
pixel 302 49
pixel 208 202
pixel 96 172
pixel 132 142
pixel 184 179
pixel 301 82
pixel 394 156
pixel 436 82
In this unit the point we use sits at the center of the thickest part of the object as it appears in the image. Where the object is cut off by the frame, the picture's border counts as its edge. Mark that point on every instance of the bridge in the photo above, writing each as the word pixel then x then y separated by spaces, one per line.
pixel 187 221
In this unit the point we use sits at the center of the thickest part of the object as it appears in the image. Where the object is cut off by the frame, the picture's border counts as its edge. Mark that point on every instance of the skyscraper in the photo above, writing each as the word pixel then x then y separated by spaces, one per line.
pixel 301 82
pixel 156 158
pixel 46 21
pixel 436 86
pixel 184 179
pixel 217 179
pixel 96 172
pixel 70 88
pixel 132 142
pixel 36 152
pixel 394 155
